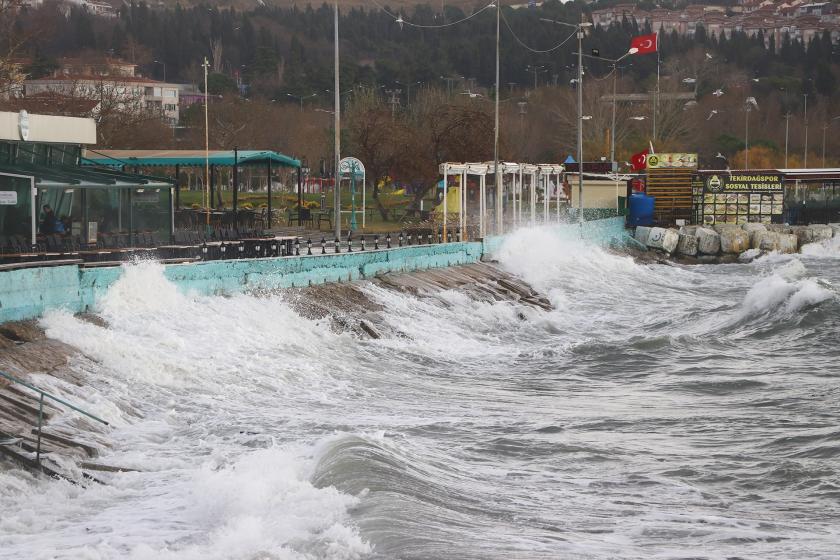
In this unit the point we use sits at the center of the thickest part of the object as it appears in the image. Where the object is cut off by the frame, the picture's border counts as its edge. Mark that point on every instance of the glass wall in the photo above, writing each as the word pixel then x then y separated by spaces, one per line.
pixel 15 207
pixel 813 202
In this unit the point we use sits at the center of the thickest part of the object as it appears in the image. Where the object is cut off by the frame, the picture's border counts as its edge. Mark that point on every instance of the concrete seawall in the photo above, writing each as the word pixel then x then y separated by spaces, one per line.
pixel 28 293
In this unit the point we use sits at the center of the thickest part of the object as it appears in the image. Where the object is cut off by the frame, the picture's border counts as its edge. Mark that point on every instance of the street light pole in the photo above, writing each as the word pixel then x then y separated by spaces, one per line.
pixel 498 185
pixel 805 160
pixel 337 125
pixel 747 139
pixel 580 34
pixel 787 129
pixel 164 68
pixel 633 50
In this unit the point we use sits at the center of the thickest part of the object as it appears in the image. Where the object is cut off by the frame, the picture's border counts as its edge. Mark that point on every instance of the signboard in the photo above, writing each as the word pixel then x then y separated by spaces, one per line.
pixel 672 161
pixel 146 196
pixel 8 198
pixel 350 165
pixel 739 198
pixel 23 125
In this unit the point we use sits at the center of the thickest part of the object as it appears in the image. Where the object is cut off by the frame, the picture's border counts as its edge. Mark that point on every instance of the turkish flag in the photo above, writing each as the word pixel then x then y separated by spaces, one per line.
pixel 645 43
pixel 639 160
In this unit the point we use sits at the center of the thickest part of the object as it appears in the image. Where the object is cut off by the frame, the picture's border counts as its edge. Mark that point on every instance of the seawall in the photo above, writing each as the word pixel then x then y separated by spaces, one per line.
pixel 28 293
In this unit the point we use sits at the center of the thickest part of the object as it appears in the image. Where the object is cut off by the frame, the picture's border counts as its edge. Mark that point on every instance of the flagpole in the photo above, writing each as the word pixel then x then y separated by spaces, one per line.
pixel 656 95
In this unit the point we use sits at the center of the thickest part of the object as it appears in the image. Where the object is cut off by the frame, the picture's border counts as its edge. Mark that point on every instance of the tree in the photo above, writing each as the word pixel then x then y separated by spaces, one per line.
pixel 11 44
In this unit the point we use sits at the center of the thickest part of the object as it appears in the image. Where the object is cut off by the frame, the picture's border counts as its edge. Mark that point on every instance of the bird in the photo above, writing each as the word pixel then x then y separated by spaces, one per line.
pixel 689 80
pixel 721 156
pixel 471 94
pixel 756 80
pixel 638 118
pixel 717 92
pixel 712 114
pixel 709 56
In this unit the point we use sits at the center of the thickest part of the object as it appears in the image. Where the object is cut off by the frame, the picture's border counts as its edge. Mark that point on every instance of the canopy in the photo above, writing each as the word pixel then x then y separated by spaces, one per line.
pixel 82 177
pixel 186 158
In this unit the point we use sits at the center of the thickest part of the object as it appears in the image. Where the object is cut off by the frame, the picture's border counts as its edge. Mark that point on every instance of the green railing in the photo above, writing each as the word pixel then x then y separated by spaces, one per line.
pixel 43 394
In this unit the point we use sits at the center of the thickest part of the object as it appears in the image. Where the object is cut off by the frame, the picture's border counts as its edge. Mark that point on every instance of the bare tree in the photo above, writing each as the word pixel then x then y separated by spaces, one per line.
pixel 12 42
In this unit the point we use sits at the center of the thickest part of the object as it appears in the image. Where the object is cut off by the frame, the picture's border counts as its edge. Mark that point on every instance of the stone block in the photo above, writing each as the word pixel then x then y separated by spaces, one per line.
pixel 687 245
pixel 688 230
pixel 665 239
pixel 754 230
pixel 642 233
pixel 788 243
pixel 720 228
pixel 708 241
pixel 821 232
pixel 734 241
pixel 768 241
pixel 779 228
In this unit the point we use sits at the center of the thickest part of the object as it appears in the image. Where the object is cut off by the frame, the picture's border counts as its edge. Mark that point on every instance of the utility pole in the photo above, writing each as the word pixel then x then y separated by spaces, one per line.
pixel 787 130
pixel 394 101
pixel 337 126
pixel 498 183
pixel 206 65
pixel 580 34
pixel 805 160
pixel 747 137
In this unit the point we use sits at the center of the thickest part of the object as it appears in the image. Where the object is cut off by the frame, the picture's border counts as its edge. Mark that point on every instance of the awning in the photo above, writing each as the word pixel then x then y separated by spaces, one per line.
pixel 68 176
pixel 185 158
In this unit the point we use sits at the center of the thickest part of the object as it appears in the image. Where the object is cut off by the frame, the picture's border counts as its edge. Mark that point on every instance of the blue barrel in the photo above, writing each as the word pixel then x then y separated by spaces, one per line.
pixel 640 209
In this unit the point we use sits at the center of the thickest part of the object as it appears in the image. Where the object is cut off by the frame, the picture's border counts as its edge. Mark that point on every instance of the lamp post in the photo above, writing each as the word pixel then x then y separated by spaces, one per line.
pixel 580 34
pixel 164 68
pixel 301 98
pixel 805 160
pixel 536 70
pixel 825 128
pixel 787 130
pixel 337 119
pixel 497 182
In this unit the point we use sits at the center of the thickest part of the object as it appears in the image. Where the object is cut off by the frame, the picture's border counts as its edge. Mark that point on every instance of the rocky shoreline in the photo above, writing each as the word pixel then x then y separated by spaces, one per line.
pixel 728 242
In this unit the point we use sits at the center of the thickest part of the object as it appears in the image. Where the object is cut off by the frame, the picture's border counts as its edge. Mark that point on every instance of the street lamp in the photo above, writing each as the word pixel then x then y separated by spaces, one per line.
pixel 825 128
pixel 536 70
pixel 300 99
pixel 164 68
pixel 749 103
pixel 580 34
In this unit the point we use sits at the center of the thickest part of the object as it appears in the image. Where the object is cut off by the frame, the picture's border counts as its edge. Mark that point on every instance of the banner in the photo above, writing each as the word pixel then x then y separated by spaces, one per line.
pixel 672 161
pixel 740 198
pixel 639 161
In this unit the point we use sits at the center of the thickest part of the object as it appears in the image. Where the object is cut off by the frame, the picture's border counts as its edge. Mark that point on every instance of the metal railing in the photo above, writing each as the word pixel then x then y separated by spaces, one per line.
pixel 43 394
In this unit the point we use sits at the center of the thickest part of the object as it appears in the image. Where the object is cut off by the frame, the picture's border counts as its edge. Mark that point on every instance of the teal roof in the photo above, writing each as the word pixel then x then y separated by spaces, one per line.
pixel 186 158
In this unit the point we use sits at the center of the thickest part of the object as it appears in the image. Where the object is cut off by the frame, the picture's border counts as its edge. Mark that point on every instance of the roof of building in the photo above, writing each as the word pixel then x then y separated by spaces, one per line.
pixel 187 158
pixel 50 103
pixel 70 176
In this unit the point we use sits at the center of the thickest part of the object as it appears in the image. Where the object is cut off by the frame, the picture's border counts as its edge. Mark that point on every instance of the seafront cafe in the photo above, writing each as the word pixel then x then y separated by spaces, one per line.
pixel 49 202
pixel 175 162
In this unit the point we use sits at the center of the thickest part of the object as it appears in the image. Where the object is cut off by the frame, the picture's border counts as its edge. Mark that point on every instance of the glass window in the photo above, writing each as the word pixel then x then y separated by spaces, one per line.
pixel 15 207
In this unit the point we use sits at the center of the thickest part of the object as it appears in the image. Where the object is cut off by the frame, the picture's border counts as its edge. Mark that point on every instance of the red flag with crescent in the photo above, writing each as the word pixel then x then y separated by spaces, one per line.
pixel 639 161
pixel 645 43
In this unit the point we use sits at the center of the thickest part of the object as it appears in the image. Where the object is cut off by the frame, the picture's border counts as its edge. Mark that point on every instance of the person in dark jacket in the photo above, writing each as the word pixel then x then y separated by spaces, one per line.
pixel 48 223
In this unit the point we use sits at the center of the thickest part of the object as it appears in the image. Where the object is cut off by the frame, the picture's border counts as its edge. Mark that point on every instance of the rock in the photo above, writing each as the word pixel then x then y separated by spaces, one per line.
pixel 720 228
pixel 642 233
pixel 687 245
pixel 803 233
pixel 734 241
pixel 689 230
pixel 754 230
pixel 768 241
pixel 779 228
pixel 821 232
pixel 788 243
pixel 708 241
pixel 665 239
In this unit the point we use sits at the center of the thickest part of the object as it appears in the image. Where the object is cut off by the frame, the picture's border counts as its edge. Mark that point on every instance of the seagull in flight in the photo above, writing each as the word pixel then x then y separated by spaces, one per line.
pixel 712 114
pixel 638 118
pixel 689 80
pixel 721 156
pixel 717 92
pixel 709 56
pixel 471 94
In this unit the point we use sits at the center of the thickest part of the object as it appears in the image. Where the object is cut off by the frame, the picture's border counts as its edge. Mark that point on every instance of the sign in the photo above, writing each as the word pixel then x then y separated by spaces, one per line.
pixel 8 198
pixel 672 161
pixel 350 165
pixel 23 125
pixel 738 198
pixel 758 182
pixel 146 196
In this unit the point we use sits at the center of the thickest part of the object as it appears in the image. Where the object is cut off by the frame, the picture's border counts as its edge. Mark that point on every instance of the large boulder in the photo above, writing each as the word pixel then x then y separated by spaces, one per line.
pixel 734 240
pixel 665 239
pixel 687 245
pixel 688 230
pixel 641 234
pixel 821 232
pixel 768 240
pixel 788 243
pixel 754 230
pixel 804 234
pixel 708 241
pixel 720 228
pixel 779 228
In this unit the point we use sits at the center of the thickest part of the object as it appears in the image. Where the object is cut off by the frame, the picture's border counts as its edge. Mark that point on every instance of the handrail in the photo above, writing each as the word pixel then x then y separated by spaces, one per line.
pixel 43 394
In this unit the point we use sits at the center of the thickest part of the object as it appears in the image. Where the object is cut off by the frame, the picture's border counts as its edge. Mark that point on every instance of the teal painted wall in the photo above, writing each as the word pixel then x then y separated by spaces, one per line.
pixel 27 293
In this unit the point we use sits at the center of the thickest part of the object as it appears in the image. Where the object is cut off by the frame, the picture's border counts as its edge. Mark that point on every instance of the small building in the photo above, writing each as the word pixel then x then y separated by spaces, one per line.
pixel 49 202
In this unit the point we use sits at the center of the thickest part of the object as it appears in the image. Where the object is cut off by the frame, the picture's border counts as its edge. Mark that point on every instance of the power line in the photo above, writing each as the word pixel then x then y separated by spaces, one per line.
pixel 538 51
pixel 399 19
